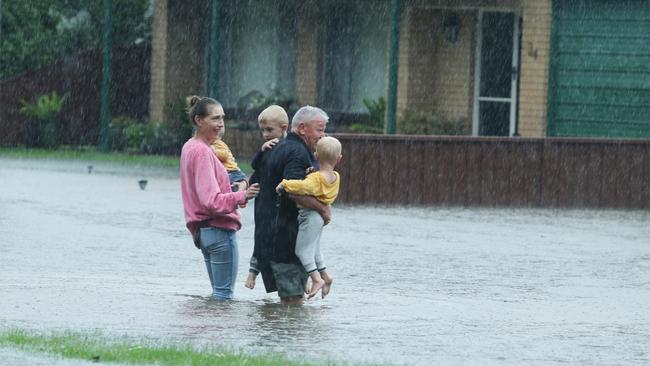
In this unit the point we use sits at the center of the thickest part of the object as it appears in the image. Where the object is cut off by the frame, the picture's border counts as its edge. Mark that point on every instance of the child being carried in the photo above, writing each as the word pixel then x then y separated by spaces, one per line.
pixel 324 185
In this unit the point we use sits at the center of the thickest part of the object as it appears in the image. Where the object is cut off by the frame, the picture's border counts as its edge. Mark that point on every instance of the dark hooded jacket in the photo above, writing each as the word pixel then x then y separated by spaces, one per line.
pixel 276 216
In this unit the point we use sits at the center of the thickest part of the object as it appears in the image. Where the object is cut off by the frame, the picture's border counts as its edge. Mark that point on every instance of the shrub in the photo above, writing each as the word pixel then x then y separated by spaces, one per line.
pixel 428 123
pixel 45 129
pixel 363 128
pixel 150 138
pixel 256 101
pixel 377 110
pixel 375 122
pixel 143 137
pixel 117 129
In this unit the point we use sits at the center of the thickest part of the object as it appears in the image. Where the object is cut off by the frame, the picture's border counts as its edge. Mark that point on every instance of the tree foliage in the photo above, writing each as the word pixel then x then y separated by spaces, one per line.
pixel 37 32
pixel 44 129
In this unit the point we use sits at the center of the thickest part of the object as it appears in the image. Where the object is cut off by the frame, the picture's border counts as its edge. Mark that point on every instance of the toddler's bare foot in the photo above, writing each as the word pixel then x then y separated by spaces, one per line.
pixel 315 286
pixel 327 283
pixel 250 281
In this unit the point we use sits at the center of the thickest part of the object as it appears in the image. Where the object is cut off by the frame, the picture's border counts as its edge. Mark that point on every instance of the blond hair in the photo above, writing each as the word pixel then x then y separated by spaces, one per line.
pixel 328 149
pixel 273 114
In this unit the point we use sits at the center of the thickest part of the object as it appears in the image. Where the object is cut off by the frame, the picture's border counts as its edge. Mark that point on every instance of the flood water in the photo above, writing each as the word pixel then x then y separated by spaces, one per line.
pixel 414 286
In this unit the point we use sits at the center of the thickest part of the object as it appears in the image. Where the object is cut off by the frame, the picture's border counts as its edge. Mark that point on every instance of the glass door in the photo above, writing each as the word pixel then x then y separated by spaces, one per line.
pixel 495 94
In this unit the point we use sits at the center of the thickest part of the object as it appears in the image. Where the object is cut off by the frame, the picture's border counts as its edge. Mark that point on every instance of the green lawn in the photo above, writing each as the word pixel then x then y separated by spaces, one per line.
pixel 97 348
pixel 91 154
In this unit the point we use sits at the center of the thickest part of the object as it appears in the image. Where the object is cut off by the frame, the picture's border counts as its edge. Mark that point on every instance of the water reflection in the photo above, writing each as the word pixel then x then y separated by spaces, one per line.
pixel 264 325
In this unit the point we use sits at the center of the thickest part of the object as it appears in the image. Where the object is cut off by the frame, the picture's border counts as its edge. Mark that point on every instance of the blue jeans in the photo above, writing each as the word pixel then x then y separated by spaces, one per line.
pixel 219 249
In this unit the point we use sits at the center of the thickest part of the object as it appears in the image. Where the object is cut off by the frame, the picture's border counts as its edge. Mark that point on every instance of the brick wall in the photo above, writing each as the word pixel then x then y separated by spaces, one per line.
pixel 435 75
pixel 158 61
pixel 188 46
pixel 180 45
pixel 454 65
pixel 535 57
pixel 403 92
pixel 307 38
pixel 422 55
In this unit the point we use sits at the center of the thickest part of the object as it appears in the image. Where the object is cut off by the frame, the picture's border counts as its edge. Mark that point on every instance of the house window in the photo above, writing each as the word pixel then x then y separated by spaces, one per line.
pixel 355 46
pixel 257 44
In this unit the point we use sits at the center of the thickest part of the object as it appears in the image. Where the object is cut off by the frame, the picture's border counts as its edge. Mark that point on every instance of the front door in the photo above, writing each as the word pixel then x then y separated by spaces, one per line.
pixel 495 94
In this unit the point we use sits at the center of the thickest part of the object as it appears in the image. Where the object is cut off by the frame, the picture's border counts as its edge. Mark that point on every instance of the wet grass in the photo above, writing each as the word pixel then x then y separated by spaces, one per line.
pixel 91 154
pixel 96 348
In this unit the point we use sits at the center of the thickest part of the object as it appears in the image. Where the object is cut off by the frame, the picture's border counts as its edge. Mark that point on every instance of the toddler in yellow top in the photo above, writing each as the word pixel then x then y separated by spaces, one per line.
pixel 324 185
pixel 235 175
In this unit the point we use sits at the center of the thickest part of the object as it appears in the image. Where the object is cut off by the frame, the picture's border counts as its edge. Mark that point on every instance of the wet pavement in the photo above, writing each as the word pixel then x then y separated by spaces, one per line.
pixel 94 252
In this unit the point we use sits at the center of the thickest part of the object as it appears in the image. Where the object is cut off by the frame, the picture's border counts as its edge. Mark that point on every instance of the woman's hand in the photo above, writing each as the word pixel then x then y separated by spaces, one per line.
pixel 252 191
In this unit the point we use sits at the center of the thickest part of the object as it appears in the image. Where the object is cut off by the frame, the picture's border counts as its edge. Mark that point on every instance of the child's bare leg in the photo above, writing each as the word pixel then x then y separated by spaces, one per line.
pixel 250 281
pixel 327 282
pixel 316 283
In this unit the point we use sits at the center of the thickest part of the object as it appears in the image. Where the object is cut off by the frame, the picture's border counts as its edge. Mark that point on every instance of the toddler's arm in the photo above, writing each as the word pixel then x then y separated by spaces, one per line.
pixel 269 144
pixel 310 186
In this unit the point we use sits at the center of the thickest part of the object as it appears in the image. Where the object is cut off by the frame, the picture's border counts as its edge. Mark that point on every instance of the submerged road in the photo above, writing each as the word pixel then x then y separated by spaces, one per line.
pixel 418 286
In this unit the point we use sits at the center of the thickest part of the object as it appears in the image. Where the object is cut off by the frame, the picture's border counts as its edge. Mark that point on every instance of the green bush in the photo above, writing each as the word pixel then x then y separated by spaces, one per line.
pixel 375 123
pixel 139 137
pixel 363 128
pixel 150 138
pixel 256 101
pixel 428 123
pixel 38 32
pixel 117 129
pixel 44 129
pixel 377 110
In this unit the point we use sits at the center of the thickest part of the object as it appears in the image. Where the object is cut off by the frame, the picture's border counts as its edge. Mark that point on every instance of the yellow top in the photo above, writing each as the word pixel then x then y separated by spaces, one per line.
pixel 224 155
pixel 315 185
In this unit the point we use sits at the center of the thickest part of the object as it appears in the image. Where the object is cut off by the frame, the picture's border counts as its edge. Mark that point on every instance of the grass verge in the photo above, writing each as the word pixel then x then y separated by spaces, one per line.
pixel 91 154
pixel 96 348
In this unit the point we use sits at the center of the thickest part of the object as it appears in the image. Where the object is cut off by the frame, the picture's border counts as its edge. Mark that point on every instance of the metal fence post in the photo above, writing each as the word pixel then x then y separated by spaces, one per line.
pixel 105 111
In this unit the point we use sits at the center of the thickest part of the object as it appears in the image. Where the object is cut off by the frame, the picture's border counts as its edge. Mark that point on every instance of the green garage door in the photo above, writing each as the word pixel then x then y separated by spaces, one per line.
pixel 600 68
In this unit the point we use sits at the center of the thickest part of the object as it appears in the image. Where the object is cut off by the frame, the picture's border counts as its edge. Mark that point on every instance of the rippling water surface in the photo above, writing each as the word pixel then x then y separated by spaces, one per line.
pixel 414 286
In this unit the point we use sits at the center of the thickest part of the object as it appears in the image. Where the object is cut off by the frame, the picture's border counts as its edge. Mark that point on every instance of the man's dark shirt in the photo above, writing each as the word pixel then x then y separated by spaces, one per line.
pixel 276 217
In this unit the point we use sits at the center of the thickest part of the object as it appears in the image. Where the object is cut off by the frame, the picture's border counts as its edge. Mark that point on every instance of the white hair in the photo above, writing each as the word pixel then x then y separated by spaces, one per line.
pixel 307 114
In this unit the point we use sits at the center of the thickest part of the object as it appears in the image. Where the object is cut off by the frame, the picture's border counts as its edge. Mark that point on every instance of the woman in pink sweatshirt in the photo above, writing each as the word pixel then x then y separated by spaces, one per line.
pixel 209 202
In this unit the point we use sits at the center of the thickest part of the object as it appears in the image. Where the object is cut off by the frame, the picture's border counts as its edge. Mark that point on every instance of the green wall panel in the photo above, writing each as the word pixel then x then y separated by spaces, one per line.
pixel 599 82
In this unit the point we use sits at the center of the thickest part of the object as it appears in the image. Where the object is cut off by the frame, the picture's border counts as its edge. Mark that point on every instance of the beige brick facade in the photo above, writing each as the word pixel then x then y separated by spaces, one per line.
pixel 437 76
pixel 535 57
pixel 158 61
pixel 434 75
pixel 307 41
pixel 178 60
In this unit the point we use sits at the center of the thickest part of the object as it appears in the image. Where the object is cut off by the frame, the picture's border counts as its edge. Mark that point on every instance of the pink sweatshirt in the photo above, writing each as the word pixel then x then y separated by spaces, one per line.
pixel 206 189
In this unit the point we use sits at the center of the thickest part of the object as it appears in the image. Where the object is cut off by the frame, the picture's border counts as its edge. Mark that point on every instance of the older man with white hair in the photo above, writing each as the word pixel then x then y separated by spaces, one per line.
pixel 276 223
